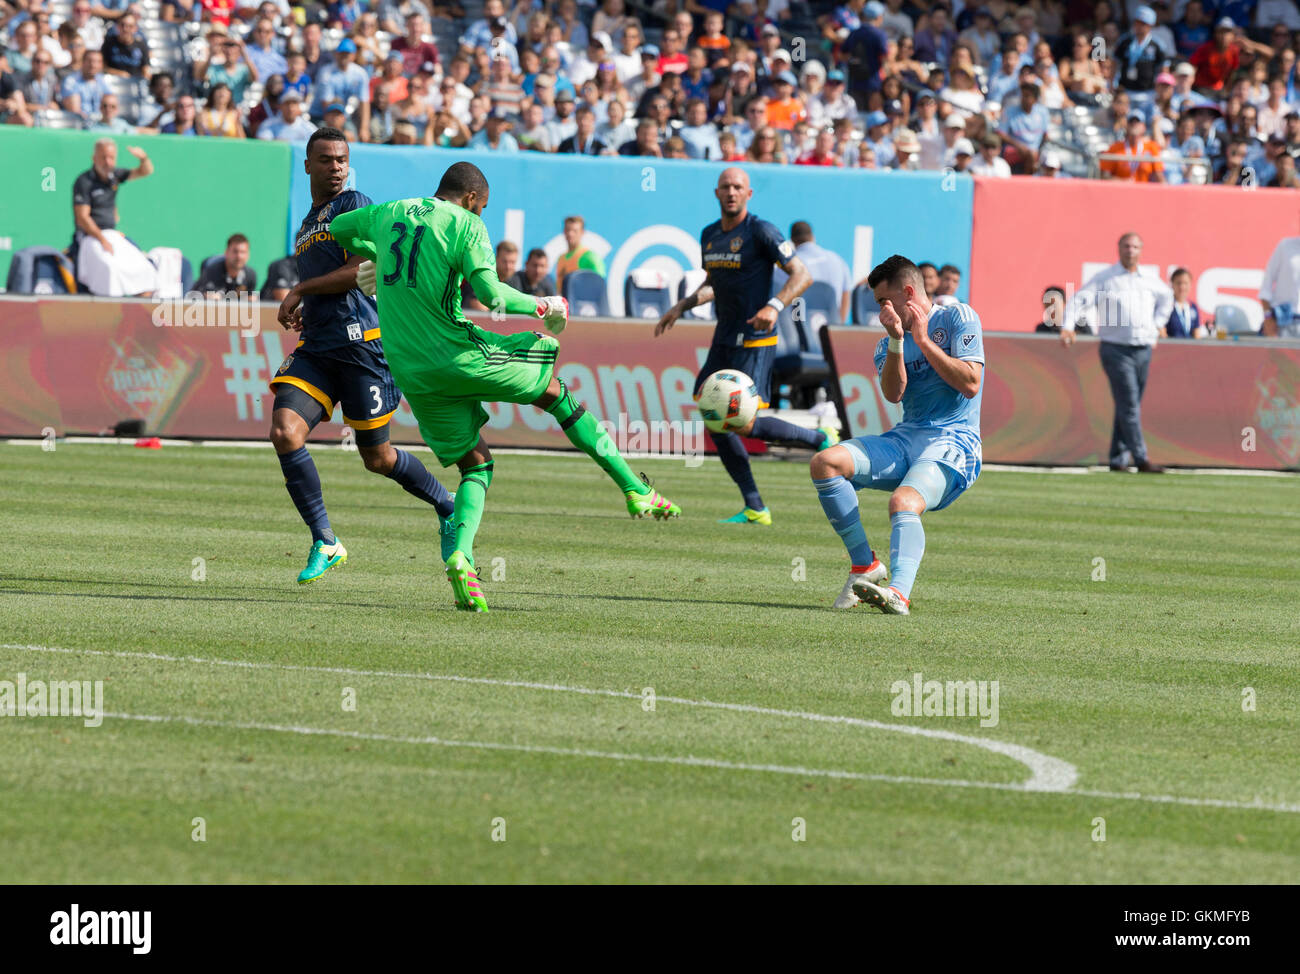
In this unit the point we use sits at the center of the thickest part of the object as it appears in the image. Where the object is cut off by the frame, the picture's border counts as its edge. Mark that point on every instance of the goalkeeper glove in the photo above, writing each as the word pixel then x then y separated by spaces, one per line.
pixel 554 312
pixel 366 277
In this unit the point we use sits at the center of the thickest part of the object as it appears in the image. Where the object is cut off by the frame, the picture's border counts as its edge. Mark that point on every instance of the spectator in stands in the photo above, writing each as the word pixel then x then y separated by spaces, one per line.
pixel 1273 112
pixel 617 128
pixel 1145 166
pixel 1285 176
pixel 824 265
pixel 109 121
pixel 157 111
pixel 1185 319
pixel 297 77
pixel 82 92
pixel 727 146
pixel 312 52
pixel 88 27
pixel 533 279
pixel 929 278
pixel 1193 30
pixel 1139 56
pixel 699 134
pixel 610 19
pixel 220 117
pixel 954 132
pixel 822 152
pixel 107 263
pixel 230 275
pixel 1130 310
pixel 262 53
pixel 949 281
pixel 627 59
pixel 384 117
pixel 936 40
pixel 447 131
pixel 647 80
pixel 412 46
pixel 227 64
pixel 1218 58
pixel 1279 292
pixel 345 82
pixel 495 135
pixel 507 259
pixel 672 57
pixel 783 108
pixel 674 147
pixel 185 118
pixel 907 150
pixel 646 142
pixel 962 94
pixel 1081 73
pixel 281 277
pixel 833 102
pixel 1049 165
pixel 1232 170
pixel 1054 312
pixel 578 257
pixel 532 135
pixel 268 107
pixel 584 141
pixel 40 91
pixel 982 36
pixel 990 161
pixel 479 34
pixel 1023 128
pixel 864 50
pixel 23 47
pixel 877 126
pixel 697 78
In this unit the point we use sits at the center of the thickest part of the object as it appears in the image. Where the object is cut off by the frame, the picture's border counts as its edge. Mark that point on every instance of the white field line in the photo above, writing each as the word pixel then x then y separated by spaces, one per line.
pixel 575 455
pixel 1049 775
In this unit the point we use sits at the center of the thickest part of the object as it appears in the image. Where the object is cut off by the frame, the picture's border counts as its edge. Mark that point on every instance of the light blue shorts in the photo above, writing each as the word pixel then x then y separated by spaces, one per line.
pixel 882 462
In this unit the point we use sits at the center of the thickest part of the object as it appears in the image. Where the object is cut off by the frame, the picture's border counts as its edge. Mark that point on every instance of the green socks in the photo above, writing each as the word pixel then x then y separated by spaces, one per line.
pixel 470 498
pixel 586 434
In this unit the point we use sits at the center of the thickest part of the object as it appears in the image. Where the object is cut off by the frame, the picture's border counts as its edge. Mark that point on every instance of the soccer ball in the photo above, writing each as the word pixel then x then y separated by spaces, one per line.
pixel 728 401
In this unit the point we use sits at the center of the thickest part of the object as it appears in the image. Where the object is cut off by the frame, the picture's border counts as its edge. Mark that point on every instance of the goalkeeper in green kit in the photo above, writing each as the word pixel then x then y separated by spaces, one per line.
pixel 447 367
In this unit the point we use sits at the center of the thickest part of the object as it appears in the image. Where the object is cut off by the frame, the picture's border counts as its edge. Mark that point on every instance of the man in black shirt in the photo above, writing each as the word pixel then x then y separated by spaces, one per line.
pixel 231 274
pixel 281 276
pixel 533 279
pixel 107 263
pixel 126 53
pixel 584 142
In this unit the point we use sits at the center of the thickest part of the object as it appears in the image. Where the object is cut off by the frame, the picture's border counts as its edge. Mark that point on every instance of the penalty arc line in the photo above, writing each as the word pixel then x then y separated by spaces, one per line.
pixel 1050 775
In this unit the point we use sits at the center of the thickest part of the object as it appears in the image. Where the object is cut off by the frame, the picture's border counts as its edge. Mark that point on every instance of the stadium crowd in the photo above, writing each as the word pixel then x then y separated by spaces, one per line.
pixel 1186 91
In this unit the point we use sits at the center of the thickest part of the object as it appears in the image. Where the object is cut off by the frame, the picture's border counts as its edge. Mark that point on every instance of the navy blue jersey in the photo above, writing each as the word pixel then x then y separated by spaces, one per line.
pixel 739 263
pixel 332 320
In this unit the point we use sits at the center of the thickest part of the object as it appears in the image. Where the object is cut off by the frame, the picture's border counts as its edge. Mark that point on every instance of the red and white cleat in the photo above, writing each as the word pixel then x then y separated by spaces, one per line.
pixel 875 572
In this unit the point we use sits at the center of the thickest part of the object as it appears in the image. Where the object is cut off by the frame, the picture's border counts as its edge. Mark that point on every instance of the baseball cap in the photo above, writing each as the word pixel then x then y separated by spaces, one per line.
pixel 963 147
pixel 877 118
pixel 394 55
pixel 497 22
pixel 1051 159
pixel 769 29
pixel 336 107
pixel 1135 117
pixel 1277 138
pixel 601 38
pixel 925 96
pixel 874 9
pixel 741 66
pixel 835 76
pixel 991 140
pixel 782 52
pixel 1145 15
pixel 954 121
pixel 649 50
pixel 1225 23
pixel 787 78
pixel 1165 78
pixel 347 45
pixel 893 107
pixel 293 94
pixel 906 140
pixel 500 113
pixel 1185 69
pixel 565 95
pixel 428 67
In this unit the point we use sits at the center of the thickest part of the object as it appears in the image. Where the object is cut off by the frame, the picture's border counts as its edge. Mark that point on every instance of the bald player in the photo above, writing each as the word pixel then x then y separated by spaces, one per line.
pixel 739 252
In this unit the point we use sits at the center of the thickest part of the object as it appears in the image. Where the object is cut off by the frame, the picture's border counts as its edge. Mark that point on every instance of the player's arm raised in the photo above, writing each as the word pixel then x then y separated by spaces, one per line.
pixel 962 375
pixel 701 295
pixel 893 374
pixel 795 285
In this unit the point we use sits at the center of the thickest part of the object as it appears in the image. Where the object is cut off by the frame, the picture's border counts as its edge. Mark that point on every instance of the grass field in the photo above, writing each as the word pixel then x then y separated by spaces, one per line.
pixel 1136 682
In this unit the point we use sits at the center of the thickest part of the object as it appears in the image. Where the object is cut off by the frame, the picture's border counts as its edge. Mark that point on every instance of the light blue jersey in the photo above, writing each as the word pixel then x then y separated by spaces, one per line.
pixel 939 423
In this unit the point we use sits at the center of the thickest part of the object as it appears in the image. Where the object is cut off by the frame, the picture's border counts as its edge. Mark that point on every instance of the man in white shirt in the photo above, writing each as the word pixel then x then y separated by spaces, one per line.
pixel 988 162
pixel 1280 292
pixel 1129 309
pixel 824 265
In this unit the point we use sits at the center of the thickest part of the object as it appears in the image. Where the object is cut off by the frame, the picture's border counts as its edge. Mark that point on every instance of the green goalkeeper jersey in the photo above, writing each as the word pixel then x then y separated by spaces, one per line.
pixel 422 249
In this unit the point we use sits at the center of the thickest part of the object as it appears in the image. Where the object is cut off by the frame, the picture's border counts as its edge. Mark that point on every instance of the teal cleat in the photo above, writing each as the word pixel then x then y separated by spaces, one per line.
pixel 829 437
pixel 447 536
pixel 749 516
pixel 321 559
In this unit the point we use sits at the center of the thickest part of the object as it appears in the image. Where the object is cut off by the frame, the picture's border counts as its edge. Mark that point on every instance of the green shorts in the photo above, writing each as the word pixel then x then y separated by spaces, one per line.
pixel 516 368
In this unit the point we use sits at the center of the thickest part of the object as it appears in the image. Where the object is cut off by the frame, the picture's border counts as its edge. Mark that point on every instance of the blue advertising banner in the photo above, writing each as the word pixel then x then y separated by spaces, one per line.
pixel 648 213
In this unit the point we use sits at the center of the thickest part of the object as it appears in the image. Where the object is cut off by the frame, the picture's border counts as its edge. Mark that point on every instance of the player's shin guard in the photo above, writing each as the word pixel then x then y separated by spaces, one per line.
pixel 586 434
pixel 906 547
pixel 773 430
pixel 415 479
pixel 470 499
pixel 303 483
pixel 735 458
pixel 840 502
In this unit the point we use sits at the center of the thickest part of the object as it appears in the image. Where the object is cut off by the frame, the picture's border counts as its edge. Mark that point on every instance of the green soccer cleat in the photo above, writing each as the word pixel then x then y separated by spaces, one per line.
pixel 321 559
pixel 749 516
pixel 464 584
pixel 651 503
pixel 831 437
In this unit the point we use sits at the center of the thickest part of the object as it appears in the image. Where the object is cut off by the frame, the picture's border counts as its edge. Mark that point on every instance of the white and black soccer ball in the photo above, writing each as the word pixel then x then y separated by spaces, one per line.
pixel 728 401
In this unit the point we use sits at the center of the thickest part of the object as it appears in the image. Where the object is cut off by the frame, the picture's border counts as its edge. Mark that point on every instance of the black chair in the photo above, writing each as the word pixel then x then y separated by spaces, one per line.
pixel 40 270
pixel 586 294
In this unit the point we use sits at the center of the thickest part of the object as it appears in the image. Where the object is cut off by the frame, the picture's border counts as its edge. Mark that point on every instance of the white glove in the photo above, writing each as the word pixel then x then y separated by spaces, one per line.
pixel 554 312
pixel 366 277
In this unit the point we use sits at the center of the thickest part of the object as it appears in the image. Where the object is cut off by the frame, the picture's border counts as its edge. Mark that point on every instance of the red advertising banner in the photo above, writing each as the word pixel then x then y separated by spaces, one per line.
pixel 1207 403
pixel 1029 234
pixel 79 366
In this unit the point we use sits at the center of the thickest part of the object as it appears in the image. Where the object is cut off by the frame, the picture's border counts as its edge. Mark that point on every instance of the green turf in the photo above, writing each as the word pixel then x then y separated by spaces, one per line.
pixel 1136 680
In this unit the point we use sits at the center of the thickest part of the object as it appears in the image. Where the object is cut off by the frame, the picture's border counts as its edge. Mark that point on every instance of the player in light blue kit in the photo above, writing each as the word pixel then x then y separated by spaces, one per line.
pixel 932 360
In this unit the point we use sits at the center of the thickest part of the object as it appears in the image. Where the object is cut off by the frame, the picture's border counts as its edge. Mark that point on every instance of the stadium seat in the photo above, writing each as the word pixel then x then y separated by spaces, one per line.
pixel 40 270
pixel 187 275
pixel 803 369
pixel 585 292
pixel 821 306
pixel 690 281
pixel 646 294
pixel 56 118
pixel 865 309
pixel 1233 320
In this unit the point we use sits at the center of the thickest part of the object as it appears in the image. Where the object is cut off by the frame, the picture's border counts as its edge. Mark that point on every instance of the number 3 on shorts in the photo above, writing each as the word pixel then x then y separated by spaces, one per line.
pixel 379 402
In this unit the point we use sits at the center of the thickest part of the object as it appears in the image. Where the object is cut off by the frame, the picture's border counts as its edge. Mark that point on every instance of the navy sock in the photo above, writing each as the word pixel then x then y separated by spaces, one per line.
pixel 416 480
pixel 303 483
pixel 734 456
pixel 771 429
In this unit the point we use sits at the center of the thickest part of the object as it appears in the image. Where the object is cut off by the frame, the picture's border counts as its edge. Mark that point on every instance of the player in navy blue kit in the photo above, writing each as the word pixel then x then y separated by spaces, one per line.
pixel 932 361
pixel 738 253
pixel 340 359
